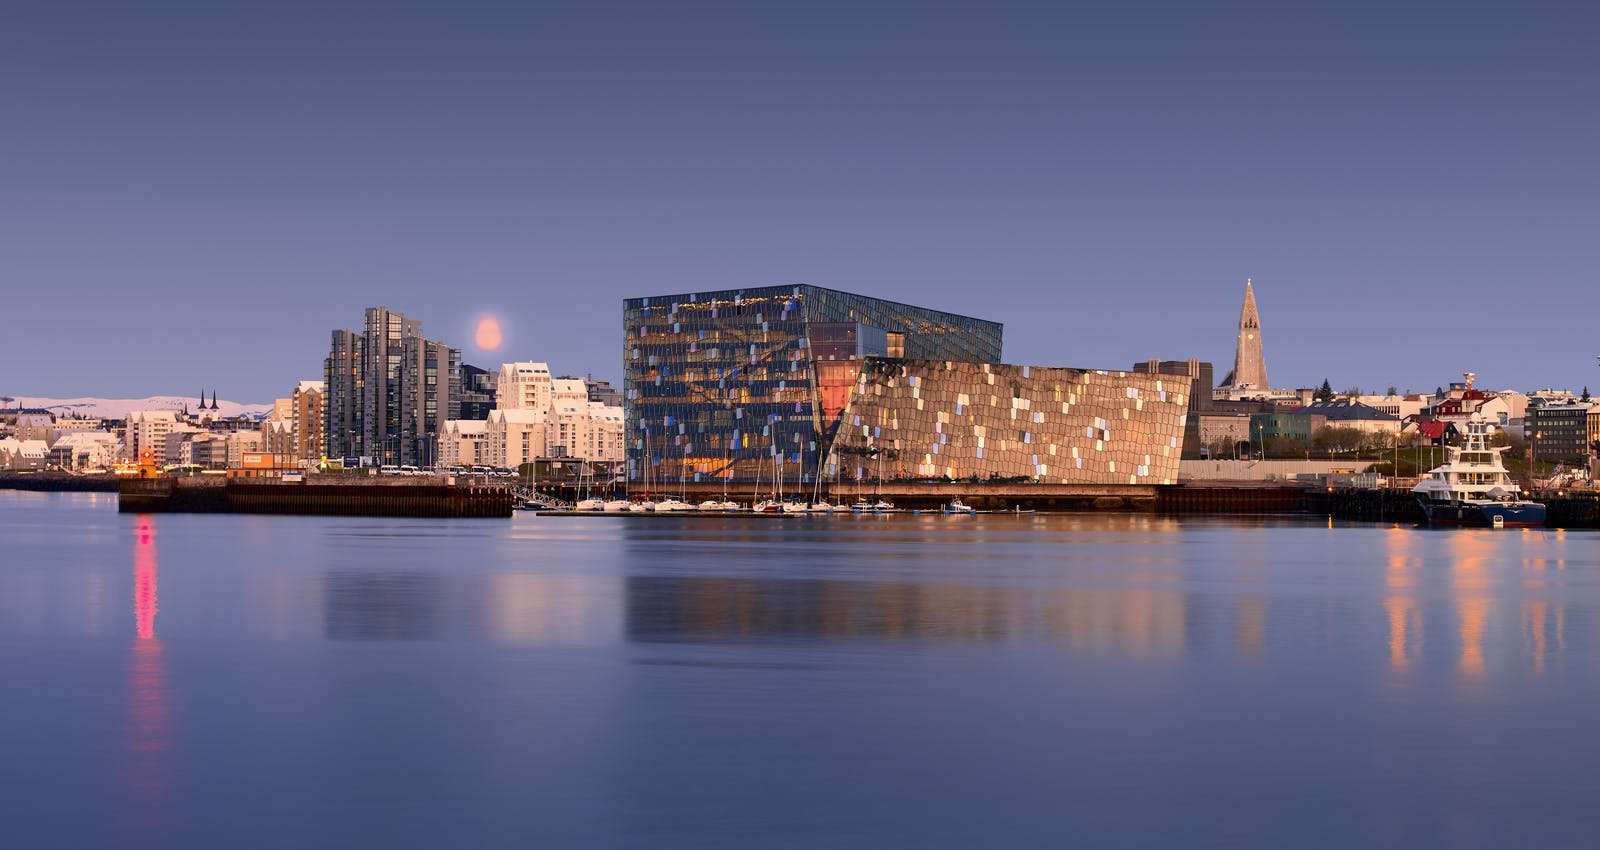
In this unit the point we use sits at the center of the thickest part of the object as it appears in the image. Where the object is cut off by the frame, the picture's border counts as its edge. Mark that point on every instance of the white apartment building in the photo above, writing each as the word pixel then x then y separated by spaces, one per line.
pixel 240 442
pixel 588 430
pixel 86 450
pixel 516 436
pixel 536 416
pixel 569 390
pixel 523 386
pixel 464 442
pixel 147 430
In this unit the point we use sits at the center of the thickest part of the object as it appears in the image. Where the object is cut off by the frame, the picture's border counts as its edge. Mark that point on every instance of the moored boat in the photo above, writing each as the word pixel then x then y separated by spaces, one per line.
pixel 1473 488
pixel 957 506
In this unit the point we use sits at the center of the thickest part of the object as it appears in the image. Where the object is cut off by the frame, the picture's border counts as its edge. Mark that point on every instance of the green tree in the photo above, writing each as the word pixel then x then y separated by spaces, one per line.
pixel 1338 438
pixel 1325 393
pixel 1585 398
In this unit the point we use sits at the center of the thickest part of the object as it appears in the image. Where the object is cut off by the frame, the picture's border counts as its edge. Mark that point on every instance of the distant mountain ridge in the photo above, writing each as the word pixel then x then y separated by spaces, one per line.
pixel 118 408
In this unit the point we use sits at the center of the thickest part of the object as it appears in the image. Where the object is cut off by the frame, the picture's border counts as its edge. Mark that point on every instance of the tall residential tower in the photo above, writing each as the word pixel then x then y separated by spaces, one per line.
pixel 389 391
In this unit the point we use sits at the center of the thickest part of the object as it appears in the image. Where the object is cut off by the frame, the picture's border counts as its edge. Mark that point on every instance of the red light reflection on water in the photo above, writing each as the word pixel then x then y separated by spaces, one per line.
pixel 148 729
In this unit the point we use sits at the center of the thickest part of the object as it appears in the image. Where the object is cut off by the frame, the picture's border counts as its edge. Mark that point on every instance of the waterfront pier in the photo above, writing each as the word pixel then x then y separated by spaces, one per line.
pixel 317 495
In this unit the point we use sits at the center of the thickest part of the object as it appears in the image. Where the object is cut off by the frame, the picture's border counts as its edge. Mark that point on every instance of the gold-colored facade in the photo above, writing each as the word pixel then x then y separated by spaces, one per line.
pixel 989 422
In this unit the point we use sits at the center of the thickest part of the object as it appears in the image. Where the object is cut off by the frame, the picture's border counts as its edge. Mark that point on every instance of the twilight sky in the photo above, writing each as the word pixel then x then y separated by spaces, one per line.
pixel 193 194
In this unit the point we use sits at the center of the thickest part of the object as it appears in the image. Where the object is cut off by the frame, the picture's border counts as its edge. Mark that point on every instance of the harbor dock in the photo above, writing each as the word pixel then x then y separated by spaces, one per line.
pixel 317 495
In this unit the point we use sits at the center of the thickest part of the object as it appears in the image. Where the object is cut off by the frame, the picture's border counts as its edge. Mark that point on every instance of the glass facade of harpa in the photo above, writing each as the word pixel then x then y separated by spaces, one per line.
pixel 986 422
pixel 747 385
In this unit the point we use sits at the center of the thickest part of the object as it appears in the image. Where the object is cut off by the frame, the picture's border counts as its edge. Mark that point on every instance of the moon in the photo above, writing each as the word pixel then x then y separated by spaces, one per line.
pixel 487 336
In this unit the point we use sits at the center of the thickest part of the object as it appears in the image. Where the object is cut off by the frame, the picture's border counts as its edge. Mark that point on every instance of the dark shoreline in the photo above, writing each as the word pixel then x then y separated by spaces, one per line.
pixel 56 482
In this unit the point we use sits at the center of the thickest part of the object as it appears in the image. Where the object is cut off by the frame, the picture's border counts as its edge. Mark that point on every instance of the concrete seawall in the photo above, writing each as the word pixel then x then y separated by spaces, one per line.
pixel 432 498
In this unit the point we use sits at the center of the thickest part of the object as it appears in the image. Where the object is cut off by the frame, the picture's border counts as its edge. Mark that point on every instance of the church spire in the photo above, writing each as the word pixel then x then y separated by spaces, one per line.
pixel 1249 366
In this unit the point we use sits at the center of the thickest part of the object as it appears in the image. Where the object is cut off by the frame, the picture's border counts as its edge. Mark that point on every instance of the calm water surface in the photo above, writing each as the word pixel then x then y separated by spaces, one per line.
pixel 993 681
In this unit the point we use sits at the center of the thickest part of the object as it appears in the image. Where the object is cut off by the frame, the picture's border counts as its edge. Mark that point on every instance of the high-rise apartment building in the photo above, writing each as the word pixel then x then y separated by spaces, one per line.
pixel 477 392
pixel 389 391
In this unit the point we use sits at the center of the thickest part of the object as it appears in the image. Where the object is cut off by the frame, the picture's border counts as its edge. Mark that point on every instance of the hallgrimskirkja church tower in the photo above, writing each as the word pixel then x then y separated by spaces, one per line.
pixel 1249 367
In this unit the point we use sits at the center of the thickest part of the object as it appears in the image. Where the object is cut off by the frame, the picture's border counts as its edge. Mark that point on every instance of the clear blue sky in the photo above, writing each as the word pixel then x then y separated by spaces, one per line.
pixel 194 194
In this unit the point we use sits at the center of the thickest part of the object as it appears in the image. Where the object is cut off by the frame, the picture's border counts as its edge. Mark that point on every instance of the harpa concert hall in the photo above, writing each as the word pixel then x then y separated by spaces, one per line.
pixel 748 385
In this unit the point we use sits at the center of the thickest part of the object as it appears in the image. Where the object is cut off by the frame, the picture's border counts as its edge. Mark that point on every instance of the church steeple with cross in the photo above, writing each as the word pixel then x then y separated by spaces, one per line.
pixel 1249 366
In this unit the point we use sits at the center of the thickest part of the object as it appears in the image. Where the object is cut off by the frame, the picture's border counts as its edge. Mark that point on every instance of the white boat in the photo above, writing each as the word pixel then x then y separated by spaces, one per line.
pixel 716 506
pixel 821 507
pixel 1473 487
pixel 883 506
pixel 861 505
pixel 957 506
pixel 613 506
pixel 794 507
pixel 672 504
pixel 589 505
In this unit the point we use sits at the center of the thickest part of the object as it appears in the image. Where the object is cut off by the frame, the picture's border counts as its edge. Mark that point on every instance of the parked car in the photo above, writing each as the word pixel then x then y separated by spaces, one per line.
pixel 388 469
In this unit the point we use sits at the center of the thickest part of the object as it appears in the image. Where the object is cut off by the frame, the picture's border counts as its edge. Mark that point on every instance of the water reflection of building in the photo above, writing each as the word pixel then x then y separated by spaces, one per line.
pixel 1544 622
pixel 749 609
pixel 531 608
pixel 387 605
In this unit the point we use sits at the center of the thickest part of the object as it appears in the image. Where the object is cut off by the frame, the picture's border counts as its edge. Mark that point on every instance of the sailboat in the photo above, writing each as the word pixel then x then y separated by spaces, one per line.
pixel 722 505
pixel 590 503
pixel 675 504
pixel 818 504
pixel 791 505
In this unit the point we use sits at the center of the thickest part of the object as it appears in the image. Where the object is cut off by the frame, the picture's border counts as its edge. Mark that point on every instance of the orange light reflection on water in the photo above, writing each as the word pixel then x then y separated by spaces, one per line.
pixel 1405 617
pixel 1469 584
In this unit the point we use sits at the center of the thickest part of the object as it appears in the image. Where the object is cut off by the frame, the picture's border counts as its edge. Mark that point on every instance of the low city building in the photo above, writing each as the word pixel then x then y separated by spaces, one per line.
pixel 265 465
pixel 464 442
pixel 1398 406
pixel 83 450
pixel 1382 427
pixel 516 436
pixel 23 455
pixel 536 416
pixel 1558 432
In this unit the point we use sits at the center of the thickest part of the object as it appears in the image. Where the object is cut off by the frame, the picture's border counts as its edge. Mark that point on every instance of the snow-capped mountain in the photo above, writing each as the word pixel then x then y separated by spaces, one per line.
pixel 118 408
